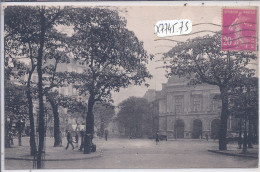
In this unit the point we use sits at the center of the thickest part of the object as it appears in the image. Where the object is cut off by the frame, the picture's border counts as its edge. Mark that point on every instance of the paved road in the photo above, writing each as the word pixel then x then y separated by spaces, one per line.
pixel 141 153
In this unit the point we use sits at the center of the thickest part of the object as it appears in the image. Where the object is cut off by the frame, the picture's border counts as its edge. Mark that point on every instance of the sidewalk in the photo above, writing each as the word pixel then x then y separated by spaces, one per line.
pixel 233 150
pixel 51 153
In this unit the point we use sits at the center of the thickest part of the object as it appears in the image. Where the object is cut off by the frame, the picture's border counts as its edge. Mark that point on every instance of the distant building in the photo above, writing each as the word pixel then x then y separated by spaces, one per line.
pixel 186 111
pixel 67 119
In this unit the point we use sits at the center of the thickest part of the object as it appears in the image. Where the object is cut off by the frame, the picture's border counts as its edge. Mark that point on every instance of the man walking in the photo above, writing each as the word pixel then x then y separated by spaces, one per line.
pixel 69 139
pixel 82 140
pixel 106 134
pixel 157 138
pixel 77 139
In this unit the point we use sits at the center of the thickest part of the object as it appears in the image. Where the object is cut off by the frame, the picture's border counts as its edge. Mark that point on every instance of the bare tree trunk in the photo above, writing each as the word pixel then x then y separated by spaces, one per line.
pixel 89 125
pixel 245 136
pixel 240 134
pixel 19 133
pixel 31 118
pixel 223 120
pixel 250 134
pixel 40 90
pixel 7 134
pixel 57 138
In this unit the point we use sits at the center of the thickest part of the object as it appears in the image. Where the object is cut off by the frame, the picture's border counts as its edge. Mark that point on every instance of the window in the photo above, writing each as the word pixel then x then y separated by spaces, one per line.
pixel 215 103
pixel 196 103
pixel 178 104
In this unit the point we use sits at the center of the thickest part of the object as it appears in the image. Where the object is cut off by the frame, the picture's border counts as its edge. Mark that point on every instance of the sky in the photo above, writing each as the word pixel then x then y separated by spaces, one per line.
pixel 141 20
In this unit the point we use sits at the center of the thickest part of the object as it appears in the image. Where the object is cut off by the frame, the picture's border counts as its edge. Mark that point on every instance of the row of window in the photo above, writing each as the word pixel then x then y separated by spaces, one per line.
pixel 196 104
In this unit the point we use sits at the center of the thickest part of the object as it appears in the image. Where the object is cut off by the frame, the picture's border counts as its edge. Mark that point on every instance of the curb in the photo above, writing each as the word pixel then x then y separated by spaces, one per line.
pixel 52 159
pixel 233 154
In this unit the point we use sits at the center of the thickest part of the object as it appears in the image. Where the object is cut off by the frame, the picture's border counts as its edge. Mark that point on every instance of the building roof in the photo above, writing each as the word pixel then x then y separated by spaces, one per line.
pixel 174 79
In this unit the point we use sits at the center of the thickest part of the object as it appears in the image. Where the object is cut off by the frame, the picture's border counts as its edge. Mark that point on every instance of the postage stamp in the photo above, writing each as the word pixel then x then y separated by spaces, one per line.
pixel 239 29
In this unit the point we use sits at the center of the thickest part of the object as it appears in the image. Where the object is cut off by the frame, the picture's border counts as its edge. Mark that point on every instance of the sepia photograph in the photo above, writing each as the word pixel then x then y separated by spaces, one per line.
pixel 130 87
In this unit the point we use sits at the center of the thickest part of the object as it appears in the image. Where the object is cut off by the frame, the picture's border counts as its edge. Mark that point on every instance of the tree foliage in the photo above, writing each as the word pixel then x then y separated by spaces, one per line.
pixel 16 106
pixel 16 110
pixel 244 99
pixel 135 117
pixel 202 61
pixel 103 114
pixel 114 56
pixel 31 31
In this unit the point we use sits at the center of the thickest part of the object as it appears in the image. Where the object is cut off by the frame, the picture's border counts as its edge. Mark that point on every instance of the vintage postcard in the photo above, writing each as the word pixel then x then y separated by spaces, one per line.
pixel 130 86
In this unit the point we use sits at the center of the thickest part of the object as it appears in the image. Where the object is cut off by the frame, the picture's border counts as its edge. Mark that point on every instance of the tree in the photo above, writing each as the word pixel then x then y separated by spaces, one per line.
pixel 103 113
pixel 52 98
pixel 34 29
pixel 18 44
pixel 16 109
pixel 55 80
pixel 114 57
pixel 202 61
pixel 135 117
pixel 244 104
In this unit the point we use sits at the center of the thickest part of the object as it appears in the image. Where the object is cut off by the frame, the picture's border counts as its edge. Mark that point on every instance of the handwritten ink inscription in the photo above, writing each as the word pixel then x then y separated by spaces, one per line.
pixel 164 28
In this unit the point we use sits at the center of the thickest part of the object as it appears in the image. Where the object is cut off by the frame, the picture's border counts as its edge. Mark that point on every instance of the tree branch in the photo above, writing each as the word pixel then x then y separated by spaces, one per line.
pixel 201 74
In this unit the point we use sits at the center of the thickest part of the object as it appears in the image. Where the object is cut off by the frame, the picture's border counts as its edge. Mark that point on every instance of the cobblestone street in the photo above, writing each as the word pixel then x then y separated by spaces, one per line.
pixel 141 153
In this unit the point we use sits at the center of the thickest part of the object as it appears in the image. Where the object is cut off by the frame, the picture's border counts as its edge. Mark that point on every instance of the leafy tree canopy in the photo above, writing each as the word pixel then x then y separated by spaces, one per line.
pixel 16 106
pixel 114 56
pixel 135 113
pixel 203 61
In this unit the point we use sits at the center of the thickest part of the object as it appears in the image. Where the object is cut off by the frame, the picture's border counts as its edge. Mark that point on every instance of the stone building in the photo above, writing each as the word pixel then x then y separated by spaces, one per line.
pixel 187 111
pixel 67 119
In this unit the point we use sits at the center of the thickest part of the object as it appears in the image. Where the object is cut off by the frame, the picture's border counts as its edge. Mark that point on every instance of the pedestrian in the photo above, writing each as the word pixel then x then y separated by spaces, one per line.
pixel 157 138
pixel 207 137
pixel 82 140
pixel 69 139
pixel 51 132
pixel 106 134
pixel 11 136
pixel 76 139
pixel 60 137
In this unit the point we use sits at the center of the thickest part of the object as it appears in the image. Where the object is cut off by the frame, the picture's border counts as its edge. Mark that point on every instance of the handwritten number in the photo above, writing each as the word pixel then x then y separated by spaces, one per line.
pixel 187 28
pixel 172 27
pixel 181 27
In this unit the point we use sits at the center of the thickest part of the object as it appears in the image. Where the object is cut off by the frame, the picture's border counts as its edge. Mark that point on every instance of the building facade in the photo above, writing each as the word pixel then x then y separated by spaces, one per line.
pixel 68 120
pixel 187 111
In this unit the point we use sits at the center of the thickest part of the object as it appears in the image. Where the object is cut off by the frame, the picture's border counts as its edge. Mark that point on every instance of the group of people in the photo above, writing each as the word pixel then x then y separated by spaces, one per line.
pixel 70 140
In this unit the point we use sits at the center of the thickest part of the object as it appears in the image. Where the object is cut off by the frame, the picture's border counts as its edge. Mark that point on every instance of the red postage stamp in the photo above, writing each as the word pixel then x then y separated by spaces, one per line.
pixel 239 29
